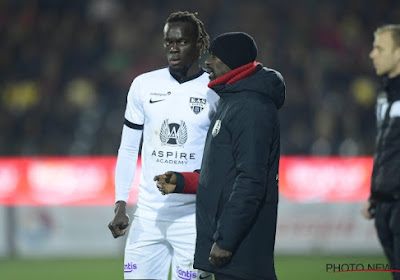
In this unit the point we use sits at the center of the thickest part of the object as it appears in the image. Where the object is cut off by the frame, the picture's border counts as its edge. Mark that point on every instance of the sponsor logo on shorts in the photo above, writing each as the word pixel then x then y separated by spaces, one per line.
pixel 185 274
pixel 129 267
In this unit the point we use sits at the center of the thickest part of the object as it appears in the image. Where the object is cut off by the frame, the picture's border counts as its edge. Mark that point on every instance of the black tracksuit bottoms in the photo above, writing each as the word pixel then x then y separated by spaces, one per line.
pixel 387 223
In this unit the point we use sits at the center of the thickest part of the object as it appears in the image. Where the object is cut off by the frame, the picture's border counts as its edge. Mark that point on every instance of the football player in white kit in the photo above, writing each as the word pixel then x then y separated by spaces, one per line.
pixel 172 108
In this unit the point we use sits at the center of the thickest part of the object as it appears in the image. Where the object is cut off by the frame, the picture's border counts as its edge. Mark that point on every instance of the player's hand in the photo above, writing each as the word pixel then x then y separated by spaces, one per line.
pixel 120 222
pixel 219 256
pixel 166 183
pixel 365 211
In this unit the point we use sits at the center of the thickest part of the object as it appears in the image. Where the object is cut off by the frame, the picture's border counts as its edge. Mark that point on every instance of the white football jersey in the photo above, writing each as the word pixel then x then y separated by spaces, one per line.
pixel 175 118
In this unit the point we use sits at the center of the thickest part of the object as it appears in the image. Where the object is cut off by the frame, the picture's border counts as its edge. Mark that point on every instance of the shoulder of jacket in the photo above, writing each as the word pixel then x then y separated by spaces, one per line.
pixel 274 74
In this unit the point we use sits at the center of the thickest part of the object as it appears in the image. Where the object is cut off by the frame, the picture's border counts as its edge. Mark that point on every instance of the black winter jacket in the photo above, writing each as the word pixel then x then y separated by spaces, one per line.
pixel 385 182
pixel 237 195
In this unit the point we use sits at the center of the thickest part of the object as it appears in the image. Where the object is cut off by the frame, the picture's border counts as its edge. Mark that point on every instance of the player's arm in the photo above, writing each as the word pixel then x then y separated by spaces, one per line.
pixel 178 182
pixel 127 158
pixel 120 222
pixel 124 174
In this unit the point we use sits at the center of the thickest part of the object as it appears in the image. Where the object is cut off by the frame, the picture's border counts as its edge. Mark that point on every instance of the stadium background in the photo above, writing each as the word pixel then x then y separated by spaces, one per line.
pixel 65 69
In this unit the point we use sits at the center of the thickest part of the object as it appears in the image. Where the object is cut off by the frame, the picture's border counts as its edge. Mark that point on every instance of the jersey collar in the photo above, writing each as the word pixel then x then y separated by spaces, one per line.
pixel 186 79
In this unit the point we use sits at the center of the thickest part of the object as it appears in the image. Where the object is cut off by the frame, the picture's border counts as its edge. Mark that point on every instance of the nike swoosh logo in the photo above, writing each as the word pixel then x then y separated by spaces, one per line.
pixel 155 101
pixel 205 277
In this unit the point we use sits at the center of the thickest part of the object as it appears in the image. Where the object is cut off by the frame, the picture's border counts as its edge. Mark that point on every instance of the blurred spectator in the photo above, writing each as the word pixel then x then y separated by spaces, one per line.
pixel 65 67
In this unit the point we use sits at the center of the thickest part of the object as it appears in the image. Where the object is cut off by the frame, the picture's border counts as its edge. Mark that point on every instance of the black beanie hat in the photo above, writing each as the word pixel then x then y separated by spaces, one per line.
pixel 235 49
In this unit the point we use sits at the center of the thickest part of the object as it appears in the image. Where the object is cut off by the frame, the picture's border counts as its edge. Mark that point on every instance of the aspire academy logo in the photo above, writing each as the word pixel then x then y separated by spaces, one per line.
pixel 173 134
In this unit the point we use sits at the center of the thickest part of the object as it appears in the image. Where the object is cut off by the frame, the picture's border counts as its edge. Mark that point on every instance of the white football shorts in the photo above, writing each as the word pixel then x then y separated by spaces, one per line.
pixel 151 246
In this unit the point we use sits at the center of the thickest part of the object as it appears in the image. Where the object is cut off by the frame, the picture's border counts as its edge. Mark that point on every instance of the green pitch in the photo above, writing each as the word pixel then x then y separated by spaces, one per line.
pixel 287 268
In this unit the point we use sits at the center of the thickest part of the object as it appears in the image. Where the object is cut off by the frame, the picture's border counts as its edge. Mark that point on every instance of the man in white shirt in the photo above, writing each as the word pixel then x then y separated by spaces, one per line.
pixel 172 108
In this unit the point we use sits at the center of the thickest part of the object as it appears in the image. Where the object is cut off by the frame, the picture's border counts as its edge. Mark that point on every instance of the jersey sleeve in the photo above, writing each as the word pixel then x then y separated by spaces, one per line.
pixel 126 162
pixel 134 113
pixel 187 182
pixel 130 142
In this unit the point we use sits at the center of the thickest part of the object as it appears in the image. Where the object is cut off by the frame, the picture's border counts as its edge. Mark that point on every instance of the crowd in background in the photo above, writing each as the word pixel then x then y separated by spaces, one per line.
pixel 66 67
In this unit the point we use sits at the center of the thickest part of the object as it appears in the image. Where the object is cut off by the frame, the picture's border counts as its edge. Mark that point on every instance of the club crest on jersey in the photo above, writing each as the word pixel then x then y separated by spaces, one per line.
pixel 216 128
pixel 197 104
pixel 173 134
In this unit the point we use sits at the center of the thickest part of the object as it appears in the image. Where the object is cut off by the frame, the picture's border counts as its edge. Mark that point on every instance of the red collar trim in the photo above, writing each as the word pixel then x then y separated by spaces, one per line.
pixel 235 75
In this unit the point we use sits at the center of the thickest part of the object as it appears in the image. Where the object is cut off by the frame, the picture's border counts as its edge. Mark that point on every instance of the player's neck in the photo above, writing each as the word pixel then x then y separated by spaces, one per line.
pixel 190 74
pixel 185 73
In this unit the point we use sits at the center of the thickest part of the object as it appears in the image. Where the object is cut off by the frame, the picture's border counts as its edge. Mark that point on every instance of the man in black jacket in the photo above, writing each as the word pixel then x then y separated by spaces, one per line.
pixel 237 192
pixel 384 201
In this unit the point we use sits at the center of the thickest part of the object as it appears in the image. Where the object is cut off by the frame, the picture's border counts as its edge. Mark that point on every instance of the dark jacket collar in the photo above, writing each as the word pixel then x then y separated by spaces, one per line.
pixel 235 75
pixel 264 81
pixel 392 87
